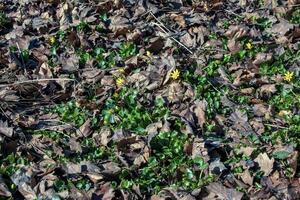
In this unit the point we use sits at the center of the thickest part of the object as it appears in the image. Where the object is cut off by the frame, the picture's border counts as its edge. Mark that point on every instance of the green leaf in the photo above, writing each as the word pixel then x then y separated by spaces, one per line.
pixel 281 155
pixel 189 174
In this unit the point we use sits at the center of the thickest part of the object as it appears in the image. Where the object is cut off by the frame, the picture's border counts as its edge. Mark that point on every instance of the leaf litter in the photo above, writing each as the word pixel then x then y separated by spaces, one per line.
pixel 149 99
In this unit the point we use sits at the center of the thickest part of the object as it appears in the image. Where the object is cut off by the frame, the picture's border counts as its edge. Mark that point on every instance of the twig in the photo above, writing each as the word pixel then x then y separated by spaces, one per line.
pixel 159 21
pixel 276 126
pixel 37 80
pixel 295 5
pixel 233 13
pixel 174 38
pixel 162 27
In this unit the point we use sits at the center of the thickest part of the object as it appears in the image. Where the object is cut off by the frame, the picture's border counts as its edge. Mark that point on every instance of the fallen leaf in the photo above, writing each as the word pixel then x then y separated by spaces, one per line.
pixel 262 57
pixel 282 27
pixel 240 122
pixel 45 71
pixel 247 151
pixel 199 110
pixel 265 163
pixel 4 191
pixel 247 178
pixel 85 129
pixel 120 25
pixel 267 89
pixel 218 191
pixel 5 129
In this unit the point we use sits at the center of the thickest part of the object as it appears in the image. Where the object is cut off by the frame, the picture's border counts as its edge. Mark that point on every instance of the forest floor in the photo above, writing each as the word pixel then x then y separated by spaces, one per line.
pixel 149 99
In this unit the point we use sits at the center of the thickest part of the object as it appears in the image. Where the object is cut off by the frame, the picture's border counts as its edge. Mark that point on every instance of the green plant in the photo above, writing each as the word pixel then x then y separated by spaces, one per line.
pixel 4 20
pixel 169 166
pixel 263 23
pixel 105 59
pixel 295 17
pixel 127 49
pixel 11 163
pixel 70 112
pixel 82 26
pixel 125 111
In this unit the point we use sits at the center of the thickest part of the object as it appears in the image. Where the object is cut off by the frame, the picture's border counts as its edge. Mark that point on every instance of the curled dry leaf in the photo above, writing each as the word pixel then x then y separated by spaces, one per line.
pixel 45 71
pixel 85 130
pixel 4 191
pixel 199 110
pixel 5 129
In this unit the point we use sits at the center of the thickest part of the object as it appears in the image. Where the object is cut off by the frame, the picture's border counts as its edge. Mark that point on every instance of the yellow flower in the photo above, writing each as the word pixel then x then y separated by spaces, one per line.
pixel 52 40
pixel 121 70
pixel 175 74
pixel 284 112
pixel 115 95
pixel 111 110
pixel 148 53
pixel 249 45
pixel 120 82
pixel 288 76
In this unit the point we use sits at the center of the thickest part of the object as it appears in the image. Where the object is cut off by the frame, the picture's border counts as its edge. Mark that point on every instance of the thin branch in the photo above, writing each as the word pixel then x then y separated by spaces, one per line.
pixel 233 13
pixel 276 126
pixel 37 80
pixel 164 28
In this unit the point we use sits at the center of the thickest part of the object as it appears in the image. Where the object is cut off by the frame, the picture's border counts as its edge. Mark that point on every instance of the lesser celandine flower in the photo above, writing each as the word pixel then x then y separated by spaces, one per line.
pixel 249 45
pixel 121 70
pixel 148 53
pixel 115 95
pixel 120 82
pixel 288 76
pixel 52 40
pixel 284 113
pixel 175 74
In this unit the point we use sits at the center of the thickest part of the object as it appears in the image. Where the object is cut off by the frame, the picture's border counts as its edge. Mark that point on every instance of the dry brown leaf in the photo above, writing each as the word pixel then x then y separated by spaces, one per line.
pixel 179 19
pixel 240 122
pixel 247 178
pixel 199 110
pixel 247 151
pixel 120 25
pixel 282 27
pixel 5 129
pixel 218 190
pixel 262 57
pixel 265 163
pixel 45 71
pixel 85 130
pixel 267 89
pixel 4 191
pixel 188 40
